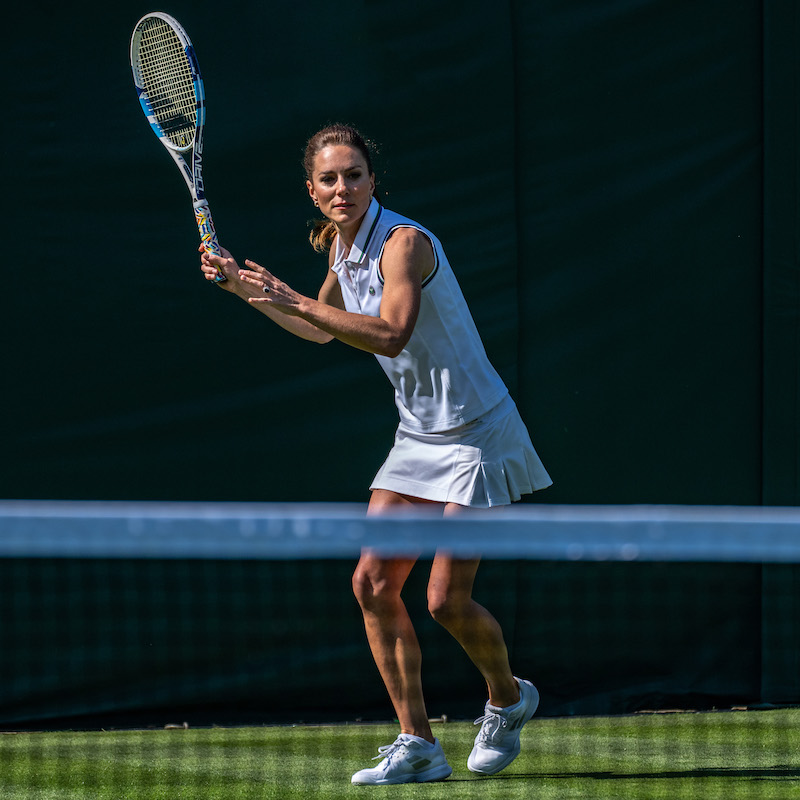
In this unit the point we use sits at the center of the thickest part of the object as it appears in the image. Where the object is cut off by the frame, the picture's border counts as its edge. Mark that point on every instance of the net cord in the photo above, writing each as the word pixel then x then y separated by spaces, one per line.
pixel 308 531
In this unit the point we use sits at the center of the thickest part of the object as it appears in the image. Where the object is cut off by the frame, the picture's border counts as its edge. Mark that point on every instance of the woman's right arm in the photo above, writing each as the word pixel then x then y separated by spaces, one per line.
pixel 330 294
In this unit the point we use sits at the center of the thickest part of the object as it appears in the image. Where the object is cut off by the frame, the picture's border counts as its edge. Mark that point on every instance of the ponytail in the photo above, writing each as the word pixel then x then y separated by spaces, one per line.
pixel 323 232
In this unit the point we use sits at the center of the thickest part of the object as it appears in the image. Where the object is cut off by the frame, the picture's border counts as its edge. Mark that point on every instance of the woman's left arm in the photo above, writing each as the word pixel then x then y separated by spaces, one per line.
pixel 407 259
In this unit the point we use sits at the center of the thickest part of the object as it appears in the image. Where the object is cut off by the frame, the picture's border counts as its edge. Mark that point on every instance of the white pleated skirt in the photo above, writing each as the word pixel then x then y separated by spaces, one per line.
pixel 488 462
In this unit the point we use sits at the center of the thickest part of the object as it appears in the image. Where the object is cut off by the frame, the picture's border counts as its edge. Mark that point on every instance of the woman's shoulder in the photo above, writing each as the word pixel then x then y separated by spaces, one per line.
pixel 405 246
pixel 406 237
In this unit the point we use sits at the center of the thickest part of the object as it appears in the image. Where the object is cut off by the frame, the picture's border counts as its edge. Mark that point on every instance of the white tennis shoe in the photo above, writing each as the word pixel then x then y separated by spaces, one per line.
pixel 407 760
pixel 497 742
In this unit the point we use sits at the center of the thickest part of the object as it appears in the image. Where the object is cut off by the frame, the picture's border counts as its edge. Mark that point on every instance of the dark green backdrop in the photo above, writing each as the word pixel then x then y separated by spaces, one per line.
pixel 614 182
pixel 153 642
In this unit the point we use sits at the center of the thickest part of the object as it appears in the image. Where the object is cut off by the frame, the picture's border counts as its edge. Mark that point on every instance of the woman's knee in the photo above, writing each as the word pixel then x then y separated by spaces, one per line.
pixel 378 585
pixel 365 588
pixel 446 607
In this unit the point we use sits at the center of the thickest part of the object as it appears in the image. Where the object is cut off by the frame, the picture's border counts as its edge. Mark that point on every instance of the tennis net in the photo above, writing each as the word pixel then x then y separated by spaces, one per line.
pixel 665 642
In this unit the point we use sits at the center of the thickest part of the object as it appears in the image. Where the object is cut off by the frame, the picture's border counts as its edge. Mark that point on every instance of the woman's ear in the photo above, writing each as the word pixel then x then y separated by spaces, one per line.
pixel 311 193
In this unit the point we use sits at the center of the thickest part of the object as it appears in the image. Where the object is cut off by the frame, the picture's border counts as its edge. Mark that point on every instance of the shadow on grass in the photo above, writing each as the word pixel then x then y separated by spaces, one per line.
pixel 778 772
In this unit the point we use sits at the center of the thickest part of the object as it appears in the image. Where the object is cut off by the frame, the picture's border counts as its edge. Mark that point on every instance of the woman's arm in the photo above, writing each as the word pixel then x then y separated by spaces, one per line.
pixel 407 259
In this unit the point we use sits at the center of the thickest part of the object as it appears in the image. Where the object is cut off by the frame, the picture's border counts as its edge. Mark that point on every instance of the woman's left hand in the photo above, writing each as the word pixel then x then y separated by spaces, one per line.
pixel 275 292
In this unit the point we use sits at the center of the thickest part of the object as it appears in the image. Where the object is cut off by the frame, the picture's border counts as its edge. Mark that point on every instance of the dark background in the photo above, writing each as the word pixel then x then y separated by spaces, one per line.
pixel 614 183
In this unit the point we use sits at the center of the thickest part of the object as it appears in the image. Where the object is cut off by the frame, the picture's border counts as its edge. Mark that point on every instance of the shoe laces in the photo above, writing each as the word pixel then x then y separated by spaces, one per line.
pixel 387 751
pixel 492 726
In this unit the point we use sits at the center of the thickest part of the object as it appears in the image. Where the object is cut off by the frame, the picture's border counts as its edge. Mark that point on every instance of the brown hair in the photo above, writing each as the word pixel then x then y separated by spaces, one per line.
pixel 323 231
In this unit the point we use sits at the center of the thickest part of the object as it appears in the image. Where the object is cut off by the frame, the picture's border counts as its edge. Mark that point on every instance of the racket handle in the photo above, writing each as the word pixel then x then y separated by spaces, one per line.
pixel 208 236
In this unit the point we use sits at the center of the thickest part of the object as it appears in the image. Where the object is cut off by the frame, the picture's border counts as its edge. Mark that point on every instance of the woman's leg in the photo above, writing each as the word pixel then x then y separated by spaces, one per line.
pixel 474 628
pixel 377 584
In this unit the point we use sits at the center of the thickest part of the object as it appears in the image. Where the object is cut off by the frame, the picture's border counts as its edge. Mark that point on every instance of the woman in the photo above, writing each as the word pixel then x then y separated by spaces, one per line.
pixel 389 290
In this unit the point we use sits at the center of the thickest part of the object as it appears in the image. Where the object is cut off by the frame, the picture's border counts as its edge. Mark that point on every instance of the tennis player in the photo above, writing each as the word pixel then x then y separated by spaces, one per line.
pixel 460 444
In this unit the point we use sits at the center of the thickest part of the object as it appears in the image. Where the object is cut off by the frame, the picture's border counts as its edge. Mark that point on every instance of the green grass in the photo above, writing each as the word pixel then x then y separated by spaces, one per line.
pixel 754 754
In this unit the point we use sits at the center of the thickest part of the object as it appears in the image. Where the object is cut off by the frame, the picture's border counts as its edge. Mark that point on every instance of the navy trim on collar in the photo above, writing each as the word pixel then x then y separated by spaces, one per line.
pixel 365 233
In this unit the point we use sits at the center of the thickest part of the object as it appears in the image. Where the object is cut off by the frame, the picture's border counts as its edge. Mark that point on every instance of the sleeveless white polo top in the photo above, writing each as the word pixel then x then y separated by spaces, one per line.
pixel 443 378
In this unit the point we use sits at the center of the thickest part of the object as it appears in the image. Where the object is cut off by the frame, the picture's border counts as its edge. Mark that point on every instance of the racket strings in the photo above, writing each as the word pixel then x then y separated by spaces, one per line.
pixel 166 77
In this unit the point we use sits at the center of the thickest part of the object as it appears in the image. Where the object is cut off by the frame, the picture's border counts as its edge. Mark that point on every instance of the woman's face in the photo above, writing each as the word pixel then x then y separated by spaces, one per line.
pixel 341 184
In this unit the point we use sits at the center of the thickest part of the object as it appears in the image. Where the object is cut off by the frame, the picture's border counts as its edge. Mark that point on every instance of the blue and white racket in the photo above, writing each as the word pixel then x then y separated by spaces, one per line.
pixel 170 89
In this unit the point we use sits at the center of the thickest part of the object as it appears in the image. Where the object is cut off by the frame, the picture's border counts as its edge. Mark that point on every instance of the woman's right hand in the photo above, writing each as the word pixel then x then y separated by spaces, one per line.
pixel 224 263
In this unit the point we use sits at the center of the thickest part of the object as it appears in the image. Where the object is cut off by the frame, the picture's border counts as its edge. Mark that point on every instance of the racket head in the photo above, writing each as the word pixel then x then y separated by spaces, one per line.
pixel 168 80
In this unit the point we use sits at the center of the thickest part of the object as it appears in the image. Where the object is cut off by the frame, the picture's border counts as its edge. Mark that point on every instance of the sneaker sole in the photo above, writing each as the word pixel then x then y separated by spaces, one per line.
pixel 497 767
pixel 439 773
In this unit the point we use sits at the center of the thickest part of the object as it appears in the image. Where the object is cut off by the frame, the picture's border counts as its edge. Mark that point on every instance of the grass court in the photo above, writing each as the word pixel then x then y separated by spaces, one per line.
pixel 735 754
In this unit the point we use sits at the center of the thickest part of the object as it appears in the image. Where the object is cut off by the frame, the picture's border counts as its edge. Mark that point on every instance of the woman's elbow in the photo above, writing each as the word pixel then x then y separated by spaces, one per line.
pixel 393 346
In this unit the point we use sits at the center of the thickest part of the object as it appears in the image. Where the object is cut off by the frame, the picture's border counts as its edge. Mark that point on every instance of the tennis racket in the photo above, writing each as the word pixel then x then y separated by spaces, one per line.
pixel 171 94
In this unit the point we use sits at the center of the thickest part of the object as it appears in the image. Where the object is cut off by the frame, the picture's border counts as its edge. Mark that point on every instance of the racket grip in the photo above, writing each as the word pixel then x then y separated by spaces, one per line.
pixel 208 236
